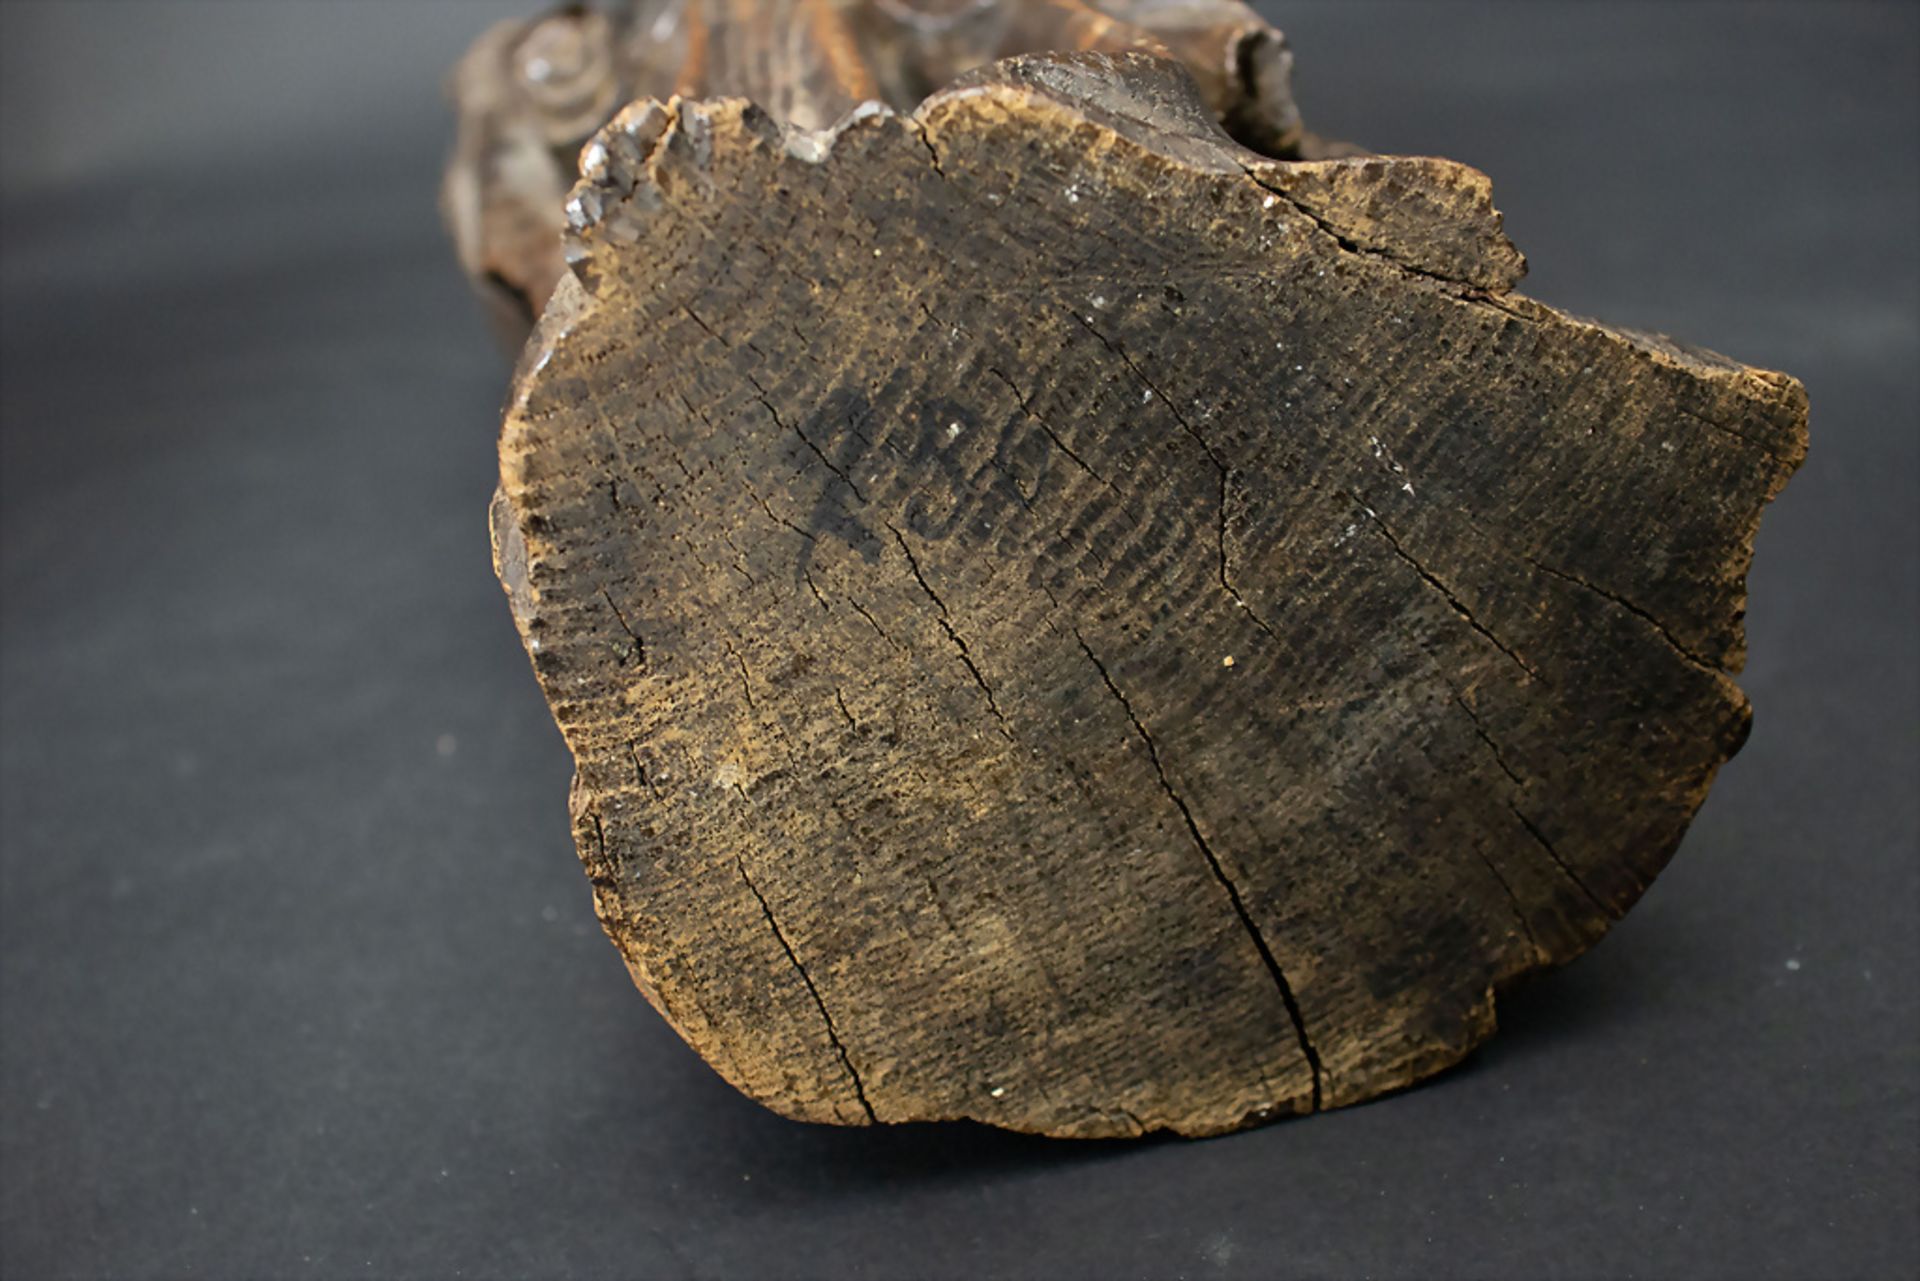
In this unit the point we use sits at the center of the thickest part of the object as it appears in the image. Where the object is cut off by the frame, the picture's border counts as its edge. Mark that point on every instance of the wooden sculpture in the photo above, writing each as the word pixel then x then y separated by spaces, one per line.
pixel 530 94
pixel 1067 619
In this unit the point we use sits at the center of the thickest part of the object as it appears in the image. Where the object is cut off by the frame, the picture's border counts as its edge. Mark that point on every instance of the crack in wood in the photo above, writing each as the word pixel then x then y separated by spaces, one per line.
pixel 746 678
pixel 1614 598
pixel 1606 908
pixel 1267 957
pixel 1226 583
pixel 1026 407
pixel 767 404
pixel 1447 594
pixel 640 774
pixel 1352 246
pixel 833 1033
pixel 943 618
pixel 1749 441
pixel 1499 758
pixel 639 645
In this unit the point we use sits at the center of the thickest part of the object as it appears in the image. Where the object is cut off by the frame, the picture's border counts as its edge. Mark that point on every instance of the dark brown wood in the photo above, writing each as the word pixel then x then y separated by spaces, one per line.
pixel 530 94
pixel 1065 621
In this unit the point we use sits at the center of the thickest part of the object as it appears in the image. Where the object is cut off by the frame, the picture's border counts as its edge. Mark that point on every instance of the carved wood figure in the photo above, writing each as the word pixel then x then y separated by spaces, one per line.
pixel 1066 612
pixel 530 94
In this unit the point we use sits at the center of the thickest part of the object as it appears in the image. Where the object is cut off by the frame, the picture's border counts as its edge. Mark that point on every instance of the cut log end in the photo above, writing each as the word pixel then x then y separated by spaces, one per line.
pixel 1064 622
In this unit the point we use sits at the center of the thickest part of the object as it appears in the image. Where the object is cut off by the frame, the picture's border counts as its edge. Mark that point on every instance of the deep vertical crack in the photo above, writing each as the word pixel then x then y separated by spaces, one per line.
pixel 746 677
pixel 833 1033
pixel 946 625
pixel 1287 998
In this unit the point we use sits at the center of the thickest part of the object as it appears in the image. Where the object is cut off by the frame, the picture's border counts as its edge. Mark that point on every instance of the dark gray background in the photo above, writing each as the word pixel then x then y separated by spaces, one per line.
pixel 299 972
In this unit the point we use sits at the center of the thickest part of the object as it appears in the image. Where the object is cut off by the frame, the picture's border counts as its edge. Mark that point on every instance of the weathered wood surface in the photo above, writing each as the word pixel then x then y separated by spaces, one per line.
pixel 530 94
pixel 1065 621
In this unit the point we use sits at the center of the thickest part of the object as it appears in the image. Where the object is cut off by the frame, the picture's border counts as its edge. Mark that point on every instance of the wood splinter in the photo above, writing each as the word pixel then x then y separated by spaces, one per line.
pixel 1064 618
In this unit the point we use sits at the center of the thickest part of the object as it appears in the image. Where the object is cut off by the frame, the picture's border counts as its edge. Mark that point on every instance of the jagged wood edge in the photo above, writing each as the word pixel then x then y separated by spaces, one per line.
pixel 1486 283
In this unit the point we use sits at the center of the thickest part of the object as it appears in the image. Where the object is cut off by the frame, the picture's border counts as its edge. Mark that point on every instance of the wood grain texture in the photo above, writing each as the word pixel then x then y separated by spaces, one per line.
pixel 1064 621
pixel 530 94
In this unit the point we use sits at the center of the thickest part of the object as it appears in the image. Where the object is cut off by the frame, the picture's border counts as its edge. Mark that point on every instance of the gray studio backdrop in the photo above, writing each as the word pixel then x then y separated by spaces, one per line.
pixel 90 87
